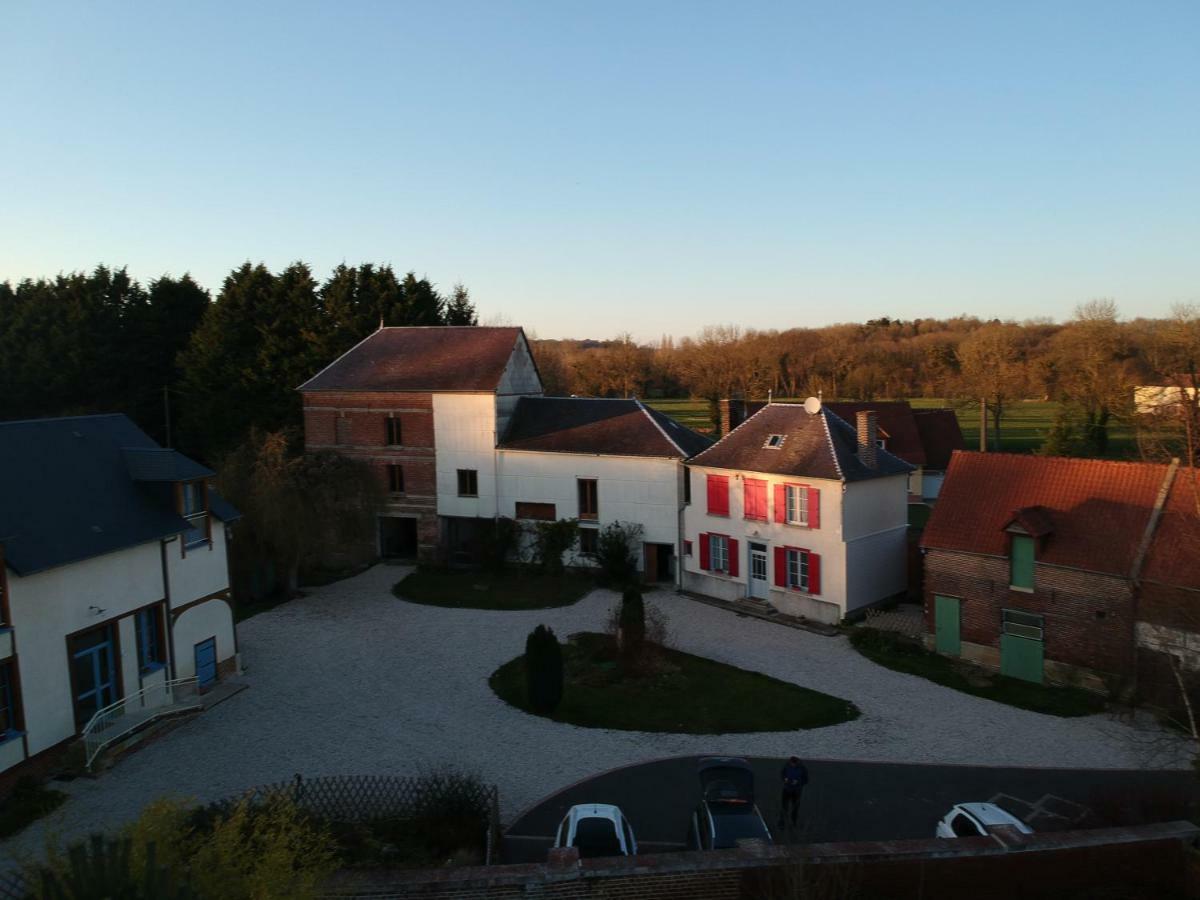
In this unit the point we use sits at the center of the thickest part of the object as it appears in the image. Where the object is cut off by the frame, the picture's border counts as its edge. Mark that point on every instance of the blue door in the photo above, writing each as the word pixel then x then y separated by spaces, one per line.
pixel 206 662
pixel 94 674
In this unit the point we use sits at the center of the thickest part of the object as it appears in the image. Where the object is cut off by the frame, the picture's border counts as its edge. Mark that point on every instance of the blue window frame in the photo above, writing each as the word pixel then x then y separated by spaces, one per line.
pixel 8 702
pixel 195 510
pixel 149 639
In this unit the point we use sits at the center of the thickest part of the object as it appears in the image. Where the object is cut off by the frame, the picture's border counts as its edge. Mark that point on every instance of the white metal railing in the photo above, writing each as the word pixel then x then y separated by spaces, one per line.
pixel 131 712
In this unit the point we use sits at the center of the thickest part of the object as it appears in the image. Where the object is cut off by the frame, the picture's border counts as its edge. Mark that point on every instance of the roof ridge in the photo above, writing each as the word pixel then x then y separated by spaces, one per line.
pixel 735 428
pixel 1075 460
pixel 338 359
pixel 111 415
pixel 837 463
pixel 661 430
pixel 1160 502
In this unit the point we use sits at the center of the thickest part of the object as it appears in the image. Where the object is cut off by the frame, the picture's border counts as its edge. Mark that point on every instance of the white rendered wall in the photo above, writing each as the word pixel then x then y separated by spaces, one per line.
pixel 876 567
pixel 643 490
pixel 875 505
pixel 212 618
pixel 48 606
pixel 202 572
pixel 464 435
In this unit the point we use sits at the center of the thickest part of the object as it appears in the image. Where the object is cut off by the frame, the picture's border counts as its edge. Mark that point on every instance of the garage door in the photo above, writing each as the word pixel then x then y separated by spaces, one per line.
pixel 1021 646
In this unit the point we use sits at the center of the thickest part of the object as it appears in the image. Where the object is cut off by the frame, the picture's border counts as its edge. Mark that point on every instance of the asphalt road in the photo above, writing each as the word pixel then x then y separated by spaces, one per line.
pixel 852 801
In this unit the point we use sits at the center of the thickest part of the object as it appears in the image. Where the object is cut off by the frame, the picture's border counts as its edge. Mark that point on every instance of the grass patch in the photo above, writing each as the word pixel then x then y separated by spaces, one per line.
pixel 29 801
pixel 896 652
pixel 513 589
pixel 679 694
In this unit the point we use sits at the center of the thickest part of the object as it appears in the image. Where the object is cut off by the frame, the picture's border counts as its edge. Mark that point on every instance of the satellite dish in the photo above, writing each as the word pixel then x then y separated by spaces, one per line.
pixel 812 406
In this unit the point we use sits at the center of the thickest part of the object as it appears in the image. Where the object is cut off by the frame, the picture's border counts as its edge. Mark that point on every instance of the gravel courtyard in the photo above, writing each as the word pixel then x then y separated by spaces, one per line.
pixel 350 680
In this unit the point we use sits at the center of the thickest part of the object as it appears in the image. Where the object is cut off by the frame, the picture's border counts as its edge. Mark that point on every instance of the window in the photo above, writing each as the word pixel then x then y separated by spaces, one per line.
pixel 195 510
pixel 1022 624
pixel 755 495
pixel 9 720
pixel 687 485
pixel 342 431
pixel 396 479
pixel 964 827
pixel 395 437
pixel 687 548
pixel 540 512
pixel 589 500
pixel 881 443
pixel 718 495
pixel 718 551
pixel 797 569
pixel 589 541
pixel 148 623
pixel 774 442
pixel 1021 577
pixel 468 483
pixel 797 505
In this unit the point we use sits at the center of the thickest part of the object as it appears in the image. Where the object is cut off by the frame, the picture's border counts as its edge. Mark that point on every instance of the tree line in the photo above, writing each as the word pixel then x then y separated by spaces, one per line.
pixel 101 342
pixel 1090 364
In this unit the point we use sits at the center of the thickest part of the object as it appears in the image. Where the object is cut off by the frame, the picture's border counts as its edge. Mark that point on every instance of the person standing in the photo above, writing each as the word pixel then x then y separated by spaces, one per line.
pixel 795 777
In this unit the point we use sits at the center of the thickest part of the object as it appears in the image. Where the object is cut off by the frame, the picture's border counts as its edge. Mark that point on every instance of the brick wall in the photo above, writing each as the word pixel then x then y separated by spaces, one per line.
pixel 1088 617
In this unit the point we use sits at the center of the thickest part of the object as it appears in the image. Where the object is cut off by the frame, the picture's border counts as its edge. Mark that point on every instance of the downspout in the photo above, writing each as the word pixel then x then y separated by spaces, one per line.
pixel 169 616
pixel 1135 572
pixel 680 508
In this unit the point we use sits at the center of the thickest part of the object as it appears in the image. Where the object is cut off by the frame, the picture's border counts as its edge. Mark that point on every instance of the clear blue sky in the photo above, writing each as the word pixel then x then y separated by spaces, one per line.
pixel 589 168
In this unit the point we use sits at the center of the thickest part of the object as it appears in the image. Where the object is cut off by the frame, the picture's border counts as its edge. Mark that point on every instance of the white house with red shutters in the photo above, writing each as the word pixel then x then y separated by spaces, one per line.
pixel 799 509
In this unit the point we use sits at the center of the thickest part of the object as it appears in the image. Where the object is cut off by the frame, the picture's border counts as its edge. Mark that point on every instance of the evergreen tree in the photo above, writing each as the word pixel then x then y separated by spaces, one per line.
pixel 543 670
pixel 632 634
pixel 422 304
pixel 459 309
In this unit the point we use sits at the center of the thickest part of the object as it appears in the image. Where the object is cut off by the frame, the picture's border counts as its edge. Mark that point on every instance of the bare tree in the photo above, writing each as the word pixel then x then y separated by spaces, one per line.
pixel 993 369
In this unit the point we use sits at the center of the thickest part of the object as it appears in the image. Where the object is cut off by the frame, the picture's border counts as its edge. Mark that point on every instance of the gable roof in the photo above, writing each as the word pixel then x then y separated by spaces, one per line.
pixel 424 358
pixel 67 493
pixel 940 434
pixel 896 425
pixel 1097 509
pixel 597 426
pixel 1174 555
pixel 815 445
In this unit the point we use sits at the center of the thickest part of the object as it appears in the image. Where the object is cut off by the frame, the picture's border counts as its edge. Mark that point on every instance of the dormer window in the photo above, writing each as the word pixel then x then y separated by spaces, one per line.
pixel 194 508
pixel 774 442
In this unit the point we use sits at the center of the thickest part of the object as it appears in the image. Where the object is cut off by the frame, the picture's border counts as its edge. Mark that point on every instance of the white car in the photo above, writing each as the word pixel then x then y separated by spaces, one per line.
pixel 596 829
pixel 977 820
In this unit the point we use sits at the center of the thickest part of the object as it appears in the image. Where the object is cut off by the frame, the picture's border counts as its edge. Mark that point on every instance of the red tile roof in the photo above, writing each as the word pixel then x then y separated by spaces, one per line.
pixel 434 358
pixel 1174 556
pixel 1098 509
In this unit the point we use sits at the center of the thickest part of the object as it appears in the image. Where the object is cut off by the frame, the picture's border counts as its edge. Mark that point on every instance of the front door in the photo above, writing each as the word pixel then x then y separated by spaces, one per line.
pixel 206 662
pixel 946 613
pixel 758 571
pixel 94 673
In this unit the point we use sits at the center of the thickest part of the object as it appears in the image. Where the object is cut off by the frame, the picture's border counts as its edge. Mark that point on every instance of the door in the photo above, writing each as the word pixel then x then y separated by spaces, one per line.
pixel 947 612
pixel 758 571
pixel 1021 645
pixel 397 537
pixel 93 673
pixel 206 662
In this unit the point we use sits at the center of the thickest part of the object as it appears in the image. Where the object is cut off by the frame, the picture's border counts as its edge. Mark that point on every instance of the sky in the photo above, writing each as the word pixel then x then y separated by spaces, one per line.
pixel 588 169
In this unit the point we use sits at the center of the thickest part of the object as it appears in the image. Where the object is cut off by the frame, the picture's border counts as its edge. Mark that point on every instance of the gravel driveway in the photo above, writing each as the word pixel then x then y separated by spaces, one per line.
pixel 350 680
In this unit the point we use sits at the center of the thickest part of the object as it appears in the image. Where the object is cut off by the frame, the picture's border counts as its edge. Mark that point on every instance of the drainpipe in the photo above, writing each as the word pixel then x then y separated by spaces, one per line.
pixel 167 614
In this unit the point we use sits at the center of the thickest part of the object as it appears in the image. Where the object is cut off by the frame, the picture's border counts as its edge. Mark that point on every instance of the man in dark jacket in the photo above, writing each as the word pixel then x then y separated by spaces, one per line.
pixel 795 777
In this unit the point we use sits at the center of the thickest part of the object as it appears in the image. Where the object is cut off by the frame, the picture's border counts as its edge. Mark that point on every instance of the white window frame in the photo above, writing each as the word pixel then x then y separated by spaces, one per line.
pixel 798 570
pixel 797 504
pixel 718 552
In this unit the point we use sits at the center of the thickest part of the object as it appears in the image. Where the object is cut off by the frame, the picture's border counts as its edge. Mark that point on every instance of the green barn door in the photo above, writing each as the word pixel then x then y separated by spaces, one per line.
pixel 1021 646
pixel 946 621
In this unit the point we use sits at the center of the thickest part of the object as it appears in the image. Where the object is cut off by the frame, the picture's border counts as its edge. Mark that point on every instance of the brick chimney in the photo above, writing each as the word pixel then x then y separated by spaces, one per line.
pixel 868 439
pixel 732 413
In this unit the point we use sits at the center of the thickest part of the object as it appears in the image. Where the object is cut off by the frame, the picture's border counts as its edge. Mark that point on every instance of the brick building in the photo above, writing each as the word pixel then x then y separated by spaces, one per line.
pixel 1058 569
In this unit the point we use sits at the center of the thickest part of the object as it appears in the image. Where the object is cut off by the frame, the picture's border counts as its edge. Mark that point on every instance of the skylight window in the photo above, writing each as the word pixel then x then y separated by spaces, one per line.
pixel 774 442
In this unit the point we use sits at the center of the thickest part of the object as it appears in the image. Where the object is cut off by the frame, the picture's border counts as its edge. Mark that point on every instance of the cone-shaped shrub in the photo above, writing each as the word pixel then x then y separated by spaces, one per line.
pixel 543 670
pixel 633 625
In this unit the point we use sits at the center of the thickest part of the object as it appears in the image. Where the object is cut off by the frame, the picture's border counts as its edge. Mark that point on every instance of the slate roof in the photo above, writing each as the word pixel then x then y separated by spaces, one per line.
pixel 593 425
pixel 66 492
pixel 1174 556
pixel 819 445
pixel 940 434
pixel 896 424
pixel 161 464
pixel 429 358
pixel 1097 509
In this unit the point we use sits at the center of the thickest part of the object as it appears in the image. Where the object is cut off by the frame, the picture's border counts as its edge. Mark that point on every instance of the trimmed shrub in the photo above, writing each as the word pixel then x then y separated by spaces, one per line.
pixel 631 635
pixel 543 670
pixel 617 548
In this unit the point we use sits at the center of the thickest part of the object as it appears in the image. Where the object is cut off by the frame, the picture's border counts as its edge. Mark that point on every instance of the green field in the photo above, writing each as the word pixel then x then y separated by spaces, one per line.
pixel 1022 430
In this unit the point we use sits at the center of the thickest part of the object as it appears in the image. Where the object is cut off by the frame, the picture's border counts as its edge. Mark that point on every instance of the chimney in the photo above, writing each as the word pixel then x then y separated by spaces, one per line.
pixel 732 413
pixel 868 438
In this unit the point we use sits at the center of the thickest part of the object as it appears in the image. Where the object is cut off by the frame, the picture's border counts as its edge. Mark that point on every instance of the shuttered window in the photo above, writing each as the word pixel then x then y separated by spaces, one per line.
pixel 755 494
pixel 718 495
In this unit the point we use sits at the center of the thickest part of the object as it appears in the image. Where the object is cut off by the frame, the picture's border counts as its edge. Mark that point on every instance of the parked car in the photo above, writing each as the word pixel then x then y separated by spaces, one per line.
pixel 727 812
pixel 977 820
pixel 596 829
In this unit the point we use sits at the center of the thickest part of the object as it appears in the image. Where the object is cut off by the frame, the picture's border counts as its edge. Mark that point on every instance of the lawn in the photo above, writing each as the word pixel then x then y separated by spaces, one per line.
pixel 901 654
pixel 514 588
pixel 679 694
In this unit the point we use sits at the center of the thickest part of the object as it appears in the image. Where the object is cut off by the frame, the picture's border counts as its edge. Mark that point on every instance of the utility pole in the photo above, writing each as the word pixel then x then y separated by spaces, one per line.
pixel 983 425
pixel 167 411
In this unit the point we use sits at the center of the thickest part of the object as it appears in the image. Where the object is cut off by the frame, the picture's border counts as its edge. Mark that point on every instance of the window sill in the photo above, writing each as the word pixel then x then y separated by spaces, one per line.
pixel 6 629
pixel 11 735
pixel 1020 590
pixel 469 496
pixel 763 519
pixel 194 544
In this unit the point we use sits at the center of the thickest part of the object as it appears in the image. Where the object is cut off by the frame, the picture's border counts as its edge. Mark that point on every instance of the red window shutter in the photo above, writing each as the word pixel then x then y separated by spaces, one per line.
pixel 780 563
pixel 780 503
pixel 718 495
pixel 704 548
pixel 814 508
pixel 755 493
pixel 733 558
pixel 814 573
